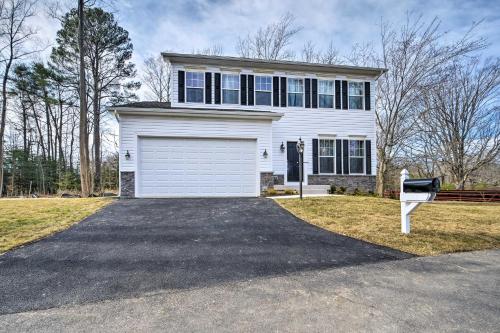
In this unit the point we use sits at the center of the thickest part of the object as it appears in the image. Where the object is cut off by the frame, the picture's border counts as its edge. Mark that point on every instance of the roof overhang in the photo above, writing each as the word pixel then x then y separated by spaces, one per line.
pixel 196 113
pixel 223 61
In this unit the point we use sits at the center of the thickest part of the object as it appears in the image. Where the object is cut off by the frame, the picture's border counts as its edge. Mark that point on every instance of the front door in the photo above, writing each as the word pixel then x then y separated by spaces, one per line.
pixel 292 156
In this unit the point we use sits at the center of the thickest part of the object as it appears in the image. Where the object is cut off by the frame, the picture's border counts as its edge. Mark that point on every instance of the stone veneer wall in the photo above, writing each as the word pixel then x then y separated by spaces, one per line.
pixel 279 179
pixel 266 180
pixel 364 183
pixel 127 184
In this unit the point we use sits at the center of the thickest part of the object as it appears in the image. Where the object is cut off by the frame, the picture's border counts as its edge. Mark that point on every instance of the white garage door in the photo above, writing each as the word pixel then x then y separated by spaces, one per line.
pixel 181 167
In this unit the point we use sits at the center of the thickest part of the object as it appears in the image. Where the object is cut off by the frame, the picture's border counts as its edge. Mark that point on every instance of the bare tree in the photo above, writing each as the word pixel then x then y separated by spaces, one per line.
pixel 14 34
pixel 85 174
pixel 270 42
pixel 214 50
pixel 330 56
pixel 156 77
pixel 415 55
pixel 461 122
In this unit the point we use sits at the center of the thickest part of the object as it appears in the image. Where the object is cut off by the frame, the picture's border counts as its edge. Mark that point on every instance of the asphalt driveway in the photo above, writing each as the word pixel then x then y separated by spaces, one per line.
pixel 134 247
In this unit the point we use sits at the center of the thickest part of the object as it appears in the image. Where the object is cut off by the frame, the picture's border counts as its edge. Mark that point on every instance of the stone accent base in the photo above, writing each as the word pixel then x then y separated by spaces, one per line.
pixel 127 184
pixel 279 179
pixel 362 183
pixel 266 180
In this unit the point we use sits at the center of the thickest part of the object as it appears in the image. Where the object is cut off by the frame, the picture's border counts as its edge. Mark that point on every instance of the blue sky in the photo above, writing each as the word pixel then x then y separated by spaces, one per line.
pixel 183 26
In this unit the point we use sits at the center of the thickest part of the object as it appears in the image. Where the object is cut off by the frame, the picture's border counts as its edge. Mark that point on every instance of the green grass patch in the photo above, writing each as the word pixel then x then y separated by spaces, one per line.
pixel 436 228
pixel 26 220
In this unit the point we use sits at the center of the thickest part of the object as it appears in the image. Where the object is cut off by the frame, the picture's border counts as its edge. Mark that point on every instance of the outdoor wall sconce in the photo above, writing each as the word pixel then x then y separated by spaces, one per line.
pixel 127 155
pixel 265 153
pixel 282 147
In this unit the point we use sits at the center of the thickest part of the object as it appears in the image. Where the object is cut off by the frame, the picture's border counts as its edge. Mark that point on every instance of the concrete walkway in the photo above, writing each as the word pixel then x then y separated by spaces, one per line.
pixel 459 292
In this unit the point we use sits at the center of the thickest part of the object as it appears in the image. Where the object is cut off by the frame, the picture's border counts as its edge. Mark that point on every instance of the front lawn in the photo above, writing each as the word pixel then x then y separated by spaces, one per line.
pixel 26 220
pixel 436 228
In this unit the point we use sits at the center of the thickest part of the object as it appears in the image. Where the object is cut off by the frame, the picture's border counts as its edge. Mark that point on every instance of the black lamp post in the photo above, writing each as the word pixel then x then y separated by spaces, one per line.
pixel 300 150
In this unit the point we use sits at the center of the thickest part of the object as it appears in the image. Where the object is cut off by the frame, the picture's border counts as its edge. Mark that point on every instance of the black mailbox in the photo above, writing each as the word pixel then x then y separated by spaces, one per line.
pixel 421 185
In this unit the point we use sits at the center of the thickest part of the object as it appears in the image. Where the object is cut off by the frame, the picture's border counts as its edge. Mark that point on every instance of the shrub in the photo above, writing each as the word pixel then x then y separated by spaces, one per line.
pixel 341 190
pixel 333 189
pixel 448 186
pixel 290 191
pixel 271 192
pixel 357 192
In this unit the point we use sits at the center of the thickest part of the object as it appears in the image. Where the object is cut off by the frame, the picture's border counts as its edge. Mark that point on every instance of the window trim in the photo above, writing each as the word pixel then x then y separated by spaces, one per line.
pixel 303 92
pixel 238 75
pixel 255 90
pixel 186 87
pixel 362 96
pixel 364 157
pixel 334 155
pixel 333 94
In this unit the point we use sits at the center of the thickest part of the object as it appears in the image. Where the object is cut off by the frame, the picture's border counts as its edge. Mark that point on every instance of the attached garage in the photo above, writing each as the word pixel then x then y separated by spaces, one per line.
pixel 197 167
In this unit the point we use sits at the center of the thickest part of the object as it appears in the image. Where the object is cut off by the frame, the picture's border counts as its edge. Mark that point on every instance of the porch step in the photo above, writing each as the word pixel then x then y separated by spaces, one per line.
pixel 306 189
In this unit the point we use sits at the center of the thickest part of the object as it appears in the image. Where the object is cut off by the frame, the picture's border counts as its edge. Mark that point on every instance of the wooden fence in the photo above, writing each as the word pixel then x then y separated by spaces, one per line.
pixel 456 195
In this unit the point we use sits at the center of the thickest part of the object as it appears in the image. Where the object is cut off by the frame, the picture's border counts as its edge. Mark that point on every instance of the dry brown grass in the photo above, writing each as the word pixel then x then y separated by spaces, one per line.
pixel 436 228
pixel 26 220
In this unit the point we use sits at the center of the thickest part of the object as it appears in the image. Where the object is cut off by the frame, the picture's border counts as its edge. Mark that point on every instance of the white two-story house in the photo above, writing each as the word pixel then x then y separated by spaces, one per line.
pixel 232 126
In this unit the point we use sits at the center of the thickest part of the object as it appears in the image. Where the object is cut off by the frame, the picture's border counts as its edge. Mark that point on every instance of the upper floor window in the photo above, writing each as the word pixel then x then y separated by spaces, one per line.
pixel 295 92
pixel 356 156
pixel 230 88
pixel 356 92
pixel 195 83
pixel 326 156
pixel 325 94
pixel 263 90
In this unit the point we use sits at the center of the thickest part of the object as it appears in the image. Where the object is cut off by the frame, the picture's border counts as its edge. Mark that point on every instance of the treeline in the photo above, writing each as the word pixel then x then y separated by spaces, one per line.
pixel 43 109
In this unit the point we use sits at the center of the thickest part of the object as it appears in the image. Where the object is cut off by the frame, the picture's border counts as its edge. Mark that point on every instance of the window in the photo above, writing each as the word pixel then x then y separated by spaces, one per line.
pixel 325 94
pixel 326 156
pixel 263 90
pixel 356 156
pixel 194 87
pixel 356 92
pixel 230 89
pixel 295 92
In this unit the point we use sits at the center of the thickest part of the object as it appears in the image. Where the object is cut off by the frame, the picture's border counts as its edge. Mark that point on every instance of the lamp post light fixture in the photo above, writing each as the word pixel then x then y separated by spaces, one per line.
pixel 300 150
pixel 282 147
pixel 127 155
pixel 265 154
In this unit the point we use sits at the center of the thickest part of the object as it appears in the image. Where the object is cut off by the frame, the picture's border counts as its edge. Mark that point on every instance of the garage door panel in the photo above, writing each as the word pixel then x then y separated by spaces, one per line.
pixel 197 167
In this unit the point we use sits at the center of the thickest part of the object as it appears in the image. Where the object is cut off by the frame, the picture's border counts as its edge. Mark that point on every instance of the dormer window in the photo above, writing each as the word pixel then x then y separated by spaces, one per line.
pixel 195 82
pixel 295 92
pixel 230 89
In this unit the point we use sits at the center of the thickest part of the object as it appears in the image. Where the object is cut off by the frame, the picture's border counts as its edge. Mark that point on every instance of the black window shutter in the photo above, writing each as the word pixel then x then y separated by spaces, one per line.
pixel 367 95
pixel 250 90
pixel 314 93
pixel 217 88
pixel 276 91
pixel 308 92
pixel 315 156
pixel 283 91
pixel 338 156
pixel 345 102
pixel 346 156
pixel 180 86
pixel 208 88
pixel 338 98
pixel 243 89
pixel 368 149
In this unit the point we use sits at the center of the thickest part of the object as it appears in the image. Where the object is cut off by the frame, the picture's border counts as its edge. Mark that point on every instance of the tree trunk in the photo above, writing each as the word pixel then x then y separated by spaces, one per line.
pixel 3 117
pixel 381 173
pixel 97 135
pixel 84 143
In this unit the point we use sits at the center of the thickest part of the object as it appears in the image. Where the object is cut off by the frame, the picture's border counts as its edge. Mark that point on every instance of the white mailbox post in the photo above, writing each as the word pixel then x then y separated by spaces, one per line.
pixel 412 194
